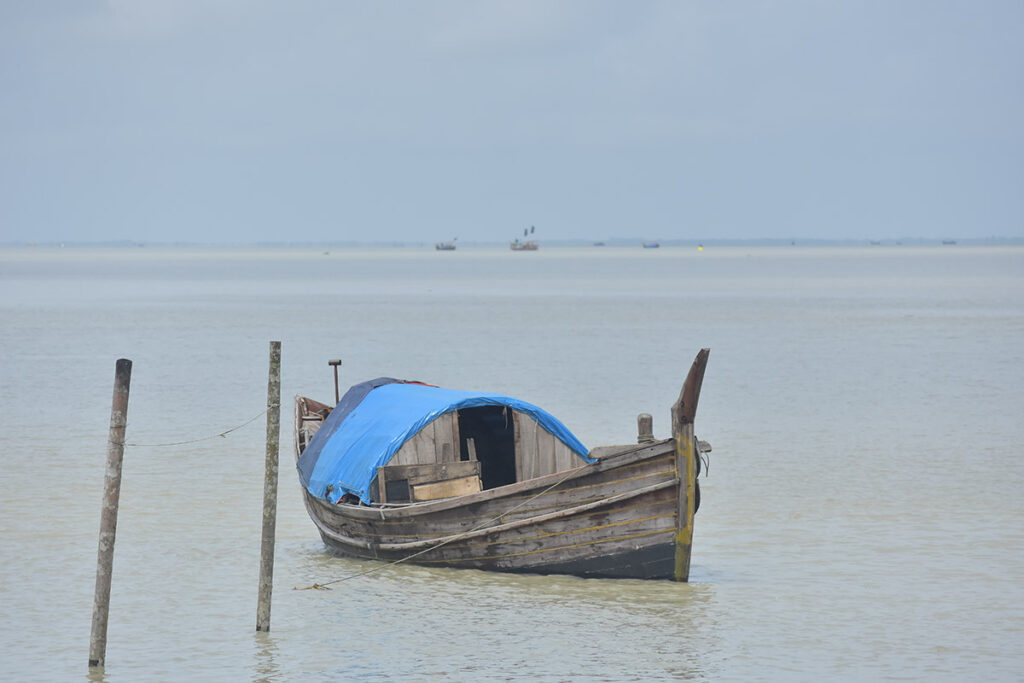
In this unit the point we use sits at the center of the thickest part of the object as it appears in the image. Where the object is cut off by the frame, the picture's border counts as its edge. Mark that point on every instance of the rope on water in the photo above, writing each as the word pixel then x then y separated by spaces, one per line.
pixel 204 438
pixel 326 585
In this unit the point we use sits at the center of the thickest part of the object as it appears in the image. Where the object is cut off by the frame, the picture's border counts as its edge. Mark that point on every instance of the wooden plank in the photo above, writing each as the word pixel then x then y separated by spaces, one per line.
pixel 417 450
pixel 427 448
pixel 526 444
pixel 382 494
pixel 517 447
pixel 535 446
pixel 444 450
pixel 685 407
pixel 608 451
pixel 567 495
pixel 436 442
pixel 425 473
pixel 406 455
pixel 419 444
pixel 687 482
pixel 398 483
pixel 565 457
pixel 434 522
pixel 579 511
pixel 549 548
pixel 456 443
pixel 650 508
pixel 643 555
pixel 446 489
pixel 545 452
pixel 373 490
pixel 639 454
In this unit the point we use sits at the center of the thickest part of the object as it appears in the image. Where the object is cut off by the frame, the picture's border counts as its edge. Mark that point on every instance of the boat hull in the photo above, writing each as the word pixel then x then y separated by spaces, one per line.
pixel 619 517
pixel 627 514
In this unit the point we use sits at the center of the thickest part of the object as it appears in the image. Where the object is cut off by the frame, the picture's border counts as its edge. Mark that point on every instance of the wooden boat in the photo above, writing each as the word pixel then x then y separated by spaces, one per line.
pixel 524 244
pixel 494 483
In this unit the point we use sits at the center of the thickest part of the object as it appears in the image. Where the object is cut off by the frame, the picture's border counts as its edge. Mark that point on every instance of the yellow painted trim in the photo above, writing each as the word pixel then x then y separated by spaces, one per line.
pixel 406 537
pixel 684 526
pixel 673 472
pixel 624 468
pixel 570 531
pixel 544 550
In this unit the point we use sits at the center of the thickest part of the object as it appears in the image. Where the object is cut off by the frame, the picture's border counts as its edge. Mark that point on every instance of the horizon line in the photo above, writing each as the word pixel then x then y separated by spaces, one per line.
pixel 563 242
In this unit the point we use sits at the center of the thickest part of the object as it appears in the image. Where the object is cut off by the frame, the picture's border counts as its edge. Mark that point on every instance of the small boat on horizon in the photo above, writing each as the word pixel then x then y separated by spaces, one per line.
pixel 446 246
pixel 401 471
pixel 651 245
pixel 524 244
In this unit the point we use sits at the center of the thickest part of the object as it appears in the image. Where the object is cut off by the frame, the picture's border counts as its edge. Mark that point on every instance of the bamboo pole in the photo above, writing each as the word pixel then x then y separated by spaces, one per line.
pixel 108 514
pixel 270 489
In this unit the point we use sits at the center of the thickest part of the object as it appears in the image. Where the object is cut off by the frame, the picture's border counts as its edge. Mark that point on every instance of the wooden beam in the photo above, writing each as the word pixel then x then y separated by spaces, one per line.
pixel 266 585
pixel 685 407
pixel 108 514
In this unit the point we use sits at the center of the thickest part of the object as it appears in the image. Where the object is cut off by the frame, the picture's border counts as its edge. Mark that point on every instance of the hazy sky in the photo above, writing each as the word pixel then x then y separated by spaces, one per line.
pixel 252 120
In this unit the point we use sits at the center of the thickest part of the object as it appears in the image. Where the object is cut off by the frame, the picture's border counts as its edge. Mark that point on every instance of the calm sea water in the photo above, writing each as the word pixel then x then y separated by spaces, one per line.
pixel 861 518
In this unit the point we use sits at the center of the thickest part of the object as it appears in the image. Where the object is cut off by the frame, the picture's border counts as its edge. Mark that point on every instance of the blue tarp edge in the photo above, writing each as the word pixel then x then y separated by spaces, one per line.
pixel 386 415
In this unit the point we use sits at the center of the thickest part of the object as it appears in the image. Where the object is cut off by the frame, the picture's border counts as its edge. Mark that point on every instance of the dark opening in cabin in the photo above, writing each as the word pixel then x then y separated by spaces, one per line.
pixel 492 430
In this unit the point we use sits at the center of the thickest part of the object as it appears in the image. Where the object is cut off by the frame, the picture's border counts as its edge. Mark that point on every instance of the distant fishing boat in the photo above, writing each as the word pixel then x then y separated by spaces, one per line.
pixel 446 246
pixel 524 244
pixel 651 245
pixel 404 471
pixel 949 241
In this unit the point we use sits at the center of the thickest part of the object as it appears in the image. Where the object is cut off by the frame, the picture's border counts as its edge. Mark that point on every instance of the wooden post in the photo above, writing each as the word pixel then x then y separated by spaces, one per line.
pixel 108 514
pixel 270 489
pixel 644 428
pixel 683 412
pixel 334 364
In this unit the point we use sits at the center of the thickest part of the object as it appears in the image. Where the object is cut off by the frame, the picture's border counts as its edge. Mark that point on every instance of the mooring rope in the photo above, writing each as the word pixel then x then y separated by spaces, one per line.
pixel 326 585
pixel 204 438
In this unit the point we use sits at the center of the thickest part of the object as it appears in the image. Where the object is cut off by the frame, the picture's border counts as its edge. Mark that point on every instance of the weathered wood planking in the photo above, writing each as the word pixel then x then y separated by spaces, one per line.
pixel 545 453
pixel 629 514
pixel 631 455
pixel 620 531
pixel 637 532
pixel 408 523
pixel 309 416
pixel 445 489
pixel 405 479
pixel 430 472
pixel 538 452
pixel 526 448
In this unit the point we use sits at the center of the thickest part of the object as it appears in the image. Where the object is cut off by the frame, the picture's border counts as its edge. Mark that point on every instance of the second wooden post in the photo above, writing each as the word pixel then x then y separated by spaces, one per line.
pixel 270 489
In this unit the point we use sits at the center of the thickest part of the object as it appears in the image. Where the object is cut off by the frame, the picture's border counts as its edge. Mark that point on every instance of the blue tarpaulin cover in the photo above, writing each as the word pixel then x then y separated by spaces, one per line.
pixel 374 419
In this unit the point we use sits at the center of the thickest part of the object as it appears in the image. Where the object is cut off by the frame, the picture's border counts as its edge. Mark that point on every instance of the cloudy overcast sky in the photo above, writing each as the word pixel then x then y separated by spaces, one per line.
pixel 260 121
